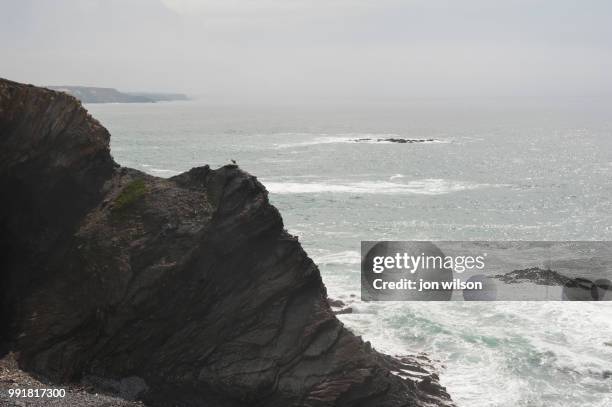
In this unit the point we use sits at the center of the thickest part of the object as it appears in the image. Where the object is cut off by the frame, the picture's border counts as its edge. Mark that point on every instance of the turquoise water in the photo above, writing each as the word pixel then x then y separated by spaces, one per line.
pixel 512 171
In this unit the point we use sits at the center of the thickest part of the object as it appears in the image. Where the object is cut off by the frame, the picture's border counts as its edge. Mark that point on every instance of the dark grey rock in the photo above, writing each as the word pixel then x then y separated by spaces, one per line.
pixel 396 140
pixel 535 275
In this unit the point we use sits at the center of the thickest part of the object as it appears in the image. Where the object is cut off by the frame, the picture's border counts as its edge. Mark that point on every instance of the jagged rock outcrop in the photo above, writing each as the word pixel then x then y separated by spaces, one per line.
pixel 187 290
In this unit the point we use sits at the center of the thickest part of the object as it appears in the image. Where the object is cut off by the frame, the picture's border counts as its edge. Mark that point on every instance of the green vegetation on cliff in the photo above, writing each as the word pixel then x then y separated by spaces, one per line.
pixel 131 193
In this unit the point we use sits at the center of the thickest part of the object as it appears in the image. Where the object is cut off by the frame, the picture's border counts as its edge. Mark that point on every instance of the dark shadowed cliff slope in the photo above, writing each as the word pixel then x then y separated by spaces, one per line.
pixel 187 291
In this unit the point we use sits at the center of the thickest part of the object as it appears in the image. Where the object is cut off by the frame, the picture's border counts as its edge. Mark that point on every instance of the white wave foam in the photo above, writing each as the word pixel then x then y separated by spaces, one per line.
pixel 501 345
pixel 422 187
pixel 317 140
pixel 162 171
pixel 345 257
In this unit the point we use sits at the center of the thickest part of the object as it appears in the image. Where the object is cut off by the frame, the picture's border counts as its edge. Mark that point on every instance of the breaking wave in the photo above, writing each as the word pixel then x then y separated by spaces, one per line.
pixel 422 187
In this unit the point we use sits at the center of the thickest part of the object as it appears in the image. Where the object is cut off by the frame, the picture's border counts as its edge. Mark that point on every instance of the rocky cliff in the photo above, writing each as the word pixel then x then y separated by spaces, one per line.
pixel 184 291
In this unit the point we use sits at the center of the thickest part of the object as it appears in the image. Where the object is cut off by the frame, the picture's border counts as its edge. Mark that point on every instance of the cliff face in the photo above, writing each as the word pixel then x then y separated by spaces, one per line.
pixel 186 290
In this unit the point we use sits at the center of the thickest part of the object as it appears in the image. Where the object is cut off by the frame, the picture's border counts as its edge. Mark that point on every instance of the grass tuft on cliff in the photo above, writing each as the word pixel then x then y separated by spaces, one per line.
pixel 131 193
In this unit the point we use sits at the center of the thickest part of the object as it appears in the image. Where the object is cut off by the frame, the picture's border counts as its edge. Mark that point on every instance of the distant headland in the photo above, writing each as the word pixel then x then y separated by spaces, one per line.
pixel 88 94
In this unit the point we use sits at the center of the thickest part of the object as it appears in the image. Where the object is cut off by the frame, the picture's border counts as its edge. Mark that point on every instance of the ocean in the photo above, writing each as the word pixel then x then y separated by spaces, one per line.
pixel 488 170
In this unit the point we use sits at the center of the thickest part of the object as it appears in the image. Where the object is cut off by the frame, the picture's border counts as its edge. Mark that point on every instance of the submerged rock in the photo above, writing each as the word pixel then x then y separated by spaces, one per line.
pixel 395 140
pixel 182 292
pixel 339 307
pixel 336 303
pixel 534 275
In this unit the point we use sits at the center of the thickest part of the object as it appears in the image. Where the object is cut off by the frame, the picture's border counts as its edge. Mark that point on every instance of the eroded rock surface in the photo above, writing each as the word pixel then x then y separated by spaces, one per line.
pixel 187 290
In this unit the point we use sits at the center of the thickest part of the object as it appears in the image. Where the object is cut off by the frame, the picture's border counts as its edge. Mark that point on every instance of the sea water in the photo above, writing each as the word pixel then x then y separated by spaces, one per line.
pixel 509 170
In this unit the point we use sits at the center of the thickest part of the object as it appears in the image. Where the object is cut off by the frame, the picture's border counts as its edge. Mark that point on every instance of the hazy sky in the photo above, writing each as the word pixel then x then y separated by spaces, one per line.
pixel 313 49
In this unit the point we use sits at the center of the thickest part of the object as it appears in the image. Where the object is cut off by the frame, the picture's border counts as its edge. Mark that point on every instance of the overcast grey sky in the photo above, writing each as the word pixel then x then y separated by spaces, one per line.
pixel 313 49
